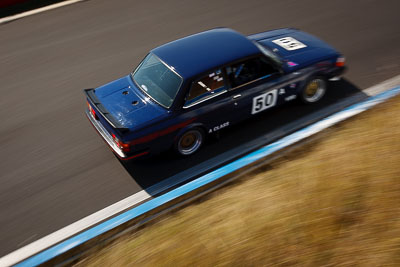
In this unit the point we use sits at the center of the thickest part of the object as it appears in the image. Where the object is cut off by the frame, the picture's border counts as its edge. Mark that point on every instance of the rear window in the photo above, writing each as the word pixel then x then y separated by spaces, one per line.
pixel 158 80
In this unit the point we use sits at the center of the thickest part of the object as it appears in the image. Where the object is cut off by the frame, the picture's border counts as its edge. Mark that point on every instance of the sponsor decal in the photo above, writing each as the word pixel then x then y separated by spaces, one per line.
pixel 292 64
pixel 219 127
pixel 292 97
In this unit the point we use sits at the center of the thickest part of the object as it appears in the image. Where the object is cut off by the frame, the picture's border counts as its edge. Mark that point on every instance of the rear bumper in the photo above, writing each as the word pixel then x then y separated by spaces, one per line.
pixel 106 135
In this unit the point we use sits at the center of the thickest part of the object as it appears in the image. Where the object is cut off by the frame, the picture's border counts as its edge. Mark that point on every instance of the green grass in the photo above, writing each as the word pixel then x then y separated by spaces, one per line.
pixel 333 202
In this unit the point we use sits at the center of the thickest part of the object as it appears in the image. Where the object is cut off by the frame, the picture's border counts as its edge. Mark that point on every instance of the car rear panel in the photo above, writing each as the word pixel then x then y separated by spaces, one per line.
pixel 123 117
pixel 128 105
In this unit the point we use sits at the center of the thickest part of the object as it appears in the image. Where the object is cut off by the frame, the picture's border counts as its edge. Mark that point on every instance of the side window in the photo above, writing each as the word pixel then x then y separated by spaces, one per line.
pixel 249 70
pixel 207 86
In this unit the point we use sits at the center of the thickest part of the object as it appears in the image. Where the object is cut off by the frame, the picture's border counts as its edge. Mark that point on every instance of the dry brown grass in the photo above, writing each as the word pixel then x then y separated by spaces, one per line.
pixel 333 203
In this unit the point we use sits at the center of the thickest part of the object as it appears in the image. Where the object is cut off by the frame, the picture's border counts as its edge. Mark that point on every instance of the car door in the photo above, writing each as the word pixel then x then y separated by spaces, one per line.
pixel 209 102
pixel 256 85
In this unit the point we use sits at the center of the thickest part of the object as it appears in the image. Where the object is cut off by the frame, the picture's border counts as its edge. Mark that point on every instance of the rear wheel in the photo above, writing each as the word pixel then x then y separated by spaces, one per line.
pixel 314 90
pixel 189 142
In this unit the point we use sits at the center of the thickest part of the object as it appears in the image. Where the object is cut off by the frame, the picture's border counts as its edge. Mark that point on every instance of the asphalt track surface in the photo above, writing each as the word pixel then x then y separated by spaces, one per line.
pixel 54 168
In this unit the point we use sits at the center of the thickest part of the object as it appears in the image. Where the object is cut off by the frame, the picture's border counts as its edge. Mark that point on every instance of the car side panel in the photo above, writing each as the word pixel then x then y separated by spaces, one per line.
pixel 254 97
pixel 213 114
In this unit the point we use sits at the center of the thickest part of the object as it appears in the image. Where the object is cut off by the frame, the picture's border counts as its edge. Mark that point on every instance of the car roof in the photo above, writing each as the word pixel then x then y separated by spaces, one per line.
pixel 200 52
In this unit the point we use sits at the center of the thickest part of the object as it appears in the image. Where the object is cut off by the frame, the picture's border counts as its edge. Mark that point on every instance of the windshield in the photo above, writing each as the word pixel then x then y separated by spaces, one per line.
pixel 157 80
pixel 269 54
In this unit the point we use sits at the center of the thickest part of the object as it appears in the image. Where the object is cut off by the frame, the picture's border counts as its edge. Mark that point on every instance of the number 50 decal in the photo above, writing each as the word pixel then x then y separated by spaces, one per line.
pixel 264 101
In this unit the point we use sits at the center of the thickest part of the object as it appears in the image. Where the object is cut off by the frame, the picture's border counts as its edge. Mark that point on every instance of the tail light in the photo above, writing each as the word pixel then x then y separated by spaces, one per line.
pixel 124 146
pixel 92 111
pixel 340 62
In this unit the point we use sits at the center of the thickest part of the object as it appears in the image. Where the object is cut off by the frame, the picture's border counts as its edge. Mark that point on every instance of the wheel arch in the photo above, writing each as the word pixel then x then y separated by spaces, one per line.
pixel 189 127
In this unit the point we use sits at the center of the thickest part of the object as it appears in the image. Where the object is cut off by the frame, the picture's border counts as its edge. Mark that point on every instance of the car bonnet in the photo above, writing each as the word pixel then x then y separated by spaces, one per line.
pixel 296 48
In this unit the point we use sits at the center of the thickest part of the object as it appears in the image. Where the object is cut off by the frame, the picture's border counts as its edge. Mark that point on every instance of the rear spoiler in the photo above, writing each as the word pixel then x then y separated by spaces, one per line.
pixel 92 98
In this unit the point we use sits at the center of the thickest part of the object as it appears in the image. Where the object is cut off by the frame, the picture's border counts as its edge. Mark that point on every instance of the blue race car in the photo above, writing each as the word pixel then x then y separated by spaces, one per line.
pixel 187 89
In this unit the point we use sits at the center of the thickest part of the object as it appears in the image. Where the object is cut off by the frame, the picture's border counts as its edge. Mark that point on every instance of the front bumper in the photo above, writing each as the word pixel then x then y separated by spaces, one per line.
pixel 336 73
pixel 106 135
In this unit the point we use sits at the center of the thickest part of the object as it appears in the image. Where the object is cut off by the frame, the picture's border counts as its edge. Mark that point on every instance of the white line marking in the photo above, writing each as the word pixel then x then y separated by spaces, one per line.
pixel 122 205
pixel 383 86
pixel 27 240
pixel 38 10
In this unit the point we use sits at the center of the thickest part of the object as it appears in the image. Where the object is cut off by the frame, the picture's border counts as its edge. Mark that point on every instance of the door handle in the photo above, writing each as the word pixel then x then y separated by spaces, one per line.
pixel 237 96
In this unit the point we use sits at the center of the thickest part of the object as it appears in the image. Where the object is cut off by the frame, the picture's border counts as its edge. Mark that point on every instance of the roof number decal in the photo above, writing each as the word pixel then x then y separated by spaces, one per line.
pixel 289 43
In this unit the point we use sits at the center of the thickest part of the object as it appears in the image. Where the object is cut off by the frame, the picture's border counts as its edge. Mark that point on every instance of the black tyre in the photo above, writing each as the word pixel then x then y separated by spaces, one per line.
pixel 189 142
pixel 314 90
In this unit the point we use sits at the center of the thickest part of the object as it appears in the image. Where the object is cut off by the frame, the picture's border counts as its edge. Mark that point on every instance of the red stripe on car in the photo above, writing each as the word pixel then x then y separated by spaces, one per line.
pixel 153 136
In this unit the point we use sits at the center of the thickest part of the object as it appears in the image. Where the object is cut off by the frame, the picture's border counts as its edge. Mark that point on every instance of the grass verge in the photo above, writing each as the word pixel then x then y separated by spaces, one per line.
pixel 334 202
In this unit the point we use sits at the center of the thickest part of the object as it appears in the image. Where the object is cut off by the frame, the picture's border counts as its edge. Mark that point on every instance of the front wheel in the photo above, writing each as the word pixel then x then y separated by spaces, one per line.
pixel 314 90
pixel 189 142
